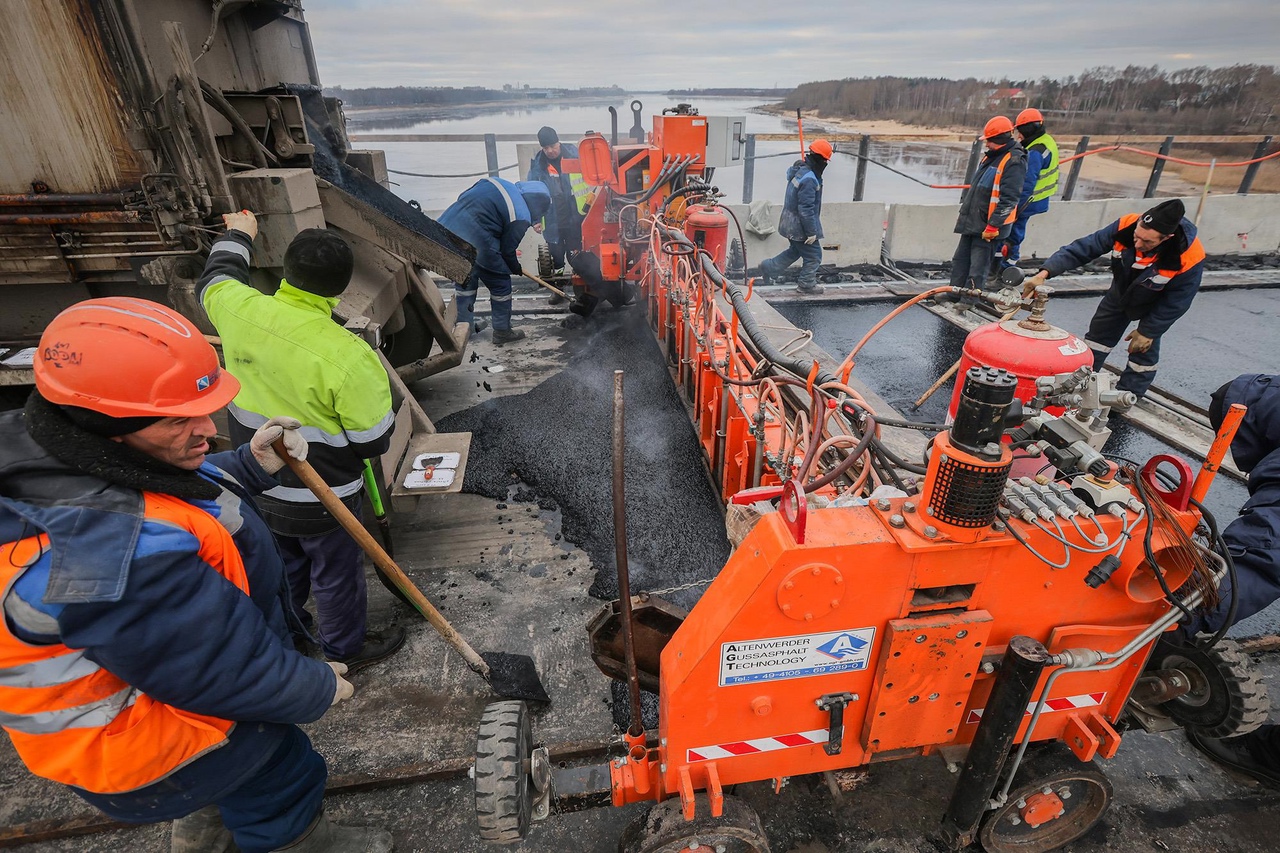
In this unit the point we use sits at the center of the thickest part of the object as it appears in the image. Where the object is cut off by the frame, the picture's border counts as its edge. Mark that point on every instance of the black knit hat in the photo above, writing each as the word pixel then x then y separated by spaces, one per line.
pixel 1165 216
pixel 547 136
pixel 319 261
pixel 105 425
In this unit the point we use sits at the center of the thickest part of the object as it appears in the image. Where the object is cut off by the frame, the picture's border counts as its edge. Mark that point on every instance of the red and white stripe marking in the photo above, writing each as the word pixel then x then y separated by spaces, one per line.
pixel 1066 703
pixel 756 745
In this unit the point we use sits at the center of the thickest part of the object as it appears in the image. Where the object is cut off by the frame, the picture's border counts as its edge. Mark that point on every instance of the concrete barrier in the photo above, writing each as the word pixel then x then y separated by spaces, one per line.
pixel 921 233
pixel 1239 224
pixel 854 229
pixel 1063 222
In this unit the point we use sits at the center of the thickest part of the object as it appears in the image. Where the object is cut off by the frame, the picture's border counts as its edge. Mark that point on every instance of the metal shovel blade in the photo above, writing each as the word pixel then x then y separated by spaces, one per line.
pixel 514 677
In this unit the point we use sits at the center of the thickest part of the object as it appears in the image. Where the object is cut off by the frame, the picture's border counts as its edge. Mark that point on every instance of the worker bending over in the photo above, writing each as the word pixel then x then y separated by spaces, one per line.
pixel 1039 185
pixel 1156 264
pixel 1254 541
pixel 492 215
pixel 293 359
pixel 801 221
pixel 145 653
pixel 989 206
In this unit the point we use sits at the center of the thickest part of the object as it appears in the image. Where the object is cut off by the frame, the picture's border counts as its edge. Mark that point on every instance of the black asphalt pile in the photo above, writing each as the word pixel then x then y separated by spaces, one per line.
pixel 556 441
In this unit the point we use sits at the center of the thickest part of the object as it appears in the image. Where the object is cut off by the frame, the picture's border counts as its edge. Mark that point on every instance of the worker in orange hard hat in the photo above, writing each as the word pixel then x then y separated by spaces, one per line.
pixel 1040 184
pixel 988 207
pixel 801 221
pixel 145 649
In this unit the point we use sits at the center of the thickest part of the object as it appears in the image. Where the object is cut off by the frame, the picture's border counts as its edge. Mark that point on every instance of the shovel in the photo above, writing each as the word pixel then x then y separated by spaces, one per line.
pixel 557 291
pixel 510 676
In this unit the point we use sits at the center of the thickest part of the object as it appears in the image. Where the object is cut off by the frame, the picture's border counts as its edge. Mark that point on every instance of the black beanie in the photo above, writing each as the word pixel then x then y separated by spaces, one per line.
pixel 547 136
pixel 1165 216
pixel 105 425
pixel 319 261
pixel 1000 140
pixel 1218 405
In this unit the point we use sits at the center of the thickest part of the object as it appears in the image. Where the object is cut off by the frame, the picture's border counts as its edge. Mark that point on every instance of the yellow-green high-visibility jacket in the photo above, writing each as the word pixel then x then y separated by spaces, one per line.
pixel 1047 180
pixel 292 359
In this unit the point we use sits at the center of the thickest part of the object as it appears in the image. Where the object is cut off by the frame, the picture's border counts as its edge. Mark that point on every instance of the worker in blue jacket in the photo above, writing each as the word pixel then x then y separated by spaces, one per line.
pixel 1040 183
pixel 1254 541
pixel 1156 265
pixel 493 215
pixel 145 650
pixel 562 225
pixel 801 221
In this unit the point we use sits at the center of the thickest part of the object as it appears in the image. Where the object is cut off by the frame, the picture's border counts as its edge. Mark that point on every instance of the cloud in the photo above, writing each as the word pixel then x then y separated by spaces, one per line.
pixel 664 44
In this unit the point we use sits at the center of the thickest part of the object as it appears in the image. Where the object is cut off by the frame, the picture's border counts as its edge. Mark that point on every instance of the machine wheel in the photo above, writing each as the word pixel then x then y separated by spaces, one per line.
pixel 546 265
pixel 1226 697
pixel 1057 799
pixel 664 829
pixel 504 794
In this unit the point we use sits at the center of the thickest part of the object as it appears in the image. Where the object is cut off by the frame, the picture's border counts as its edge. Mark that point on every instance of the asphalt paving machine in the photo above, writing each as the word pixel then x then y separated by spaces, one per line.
pixel 878 607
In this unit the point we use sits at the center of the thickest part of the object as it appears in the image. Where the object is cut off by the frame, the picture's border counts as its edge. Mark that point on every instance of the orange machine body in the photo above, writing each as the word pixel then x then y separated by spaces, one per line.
pixel 873 606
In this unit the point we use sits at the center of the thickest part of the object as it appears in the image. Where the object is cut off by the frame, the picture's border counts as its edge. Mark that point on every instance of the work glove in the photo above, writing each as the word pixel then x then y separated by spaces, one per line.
pixel 513 264
pixel 1138 342
pixel 243 221
pixel 344 689
pixel 808 241
pixel 990 233
pixel 1029 285
pixel 294 444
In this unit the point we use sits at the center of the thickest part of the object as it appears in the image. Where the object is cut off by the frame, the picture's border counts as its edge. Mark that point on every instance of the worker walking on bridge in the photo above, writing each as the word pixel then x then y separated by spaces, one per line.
pixel 1040 184
pixel 801 221
pixel 293 359
pixel 145 653
pixel 989 206
pixel 1156 265
pixel 493 215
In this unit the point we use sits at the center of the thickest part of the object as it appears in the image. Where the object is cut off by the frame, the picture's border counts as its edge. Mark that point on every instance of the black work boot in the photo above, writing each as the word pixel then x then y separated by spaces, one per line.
pixel 378 645
pixel 810 288
pixel 202 832
pixel 1255 754
pixel 326 837
pixel 478 326
pixel 507 336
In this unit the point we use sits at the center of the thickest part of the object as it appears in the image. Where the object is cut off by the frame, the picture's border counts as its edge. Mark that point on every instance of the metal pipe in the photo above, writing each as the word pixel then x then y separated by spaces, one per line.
pixel 1204 194
pixel 89 217
pixel 1074 173
pixel 860 179
pixel 1024 660
pixel 40 199
pixel 757 463
pixel 749 169
pixel 1217 451
pixel 620 553
pixel 1246 183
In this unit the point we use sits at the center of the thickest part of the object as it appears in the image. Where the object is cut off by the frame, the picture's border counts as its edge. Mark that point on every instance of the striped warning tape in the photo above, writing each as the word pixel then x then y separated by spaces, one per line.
pixel 1066 703
pixel 756 745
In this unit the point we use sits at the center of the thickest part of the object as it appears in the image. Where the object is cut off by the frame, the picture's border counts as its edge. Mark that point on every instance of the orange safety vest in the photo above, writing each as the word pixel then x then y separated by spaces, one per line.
pixel 1190 256
pixel 75 723
pixel 995 193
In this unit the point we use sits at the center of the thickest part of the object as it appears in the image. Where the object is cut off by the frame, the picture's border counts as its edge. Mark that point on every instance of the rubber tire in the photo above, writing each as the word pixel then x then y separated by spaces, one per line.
pixel 663 828
pixel 504 792
pixel 1236 702
pixel 1054 765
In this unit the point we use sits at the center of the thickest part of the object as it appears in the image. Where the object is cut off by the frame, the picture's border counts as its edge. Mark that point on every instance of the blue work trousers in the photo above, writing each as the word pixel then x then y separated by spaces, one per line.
pixel 1105 331
pixel 1018 232
pixel 810 254
pixel 332 567
pixel 277 804
pixel 499 298
pixel 971 263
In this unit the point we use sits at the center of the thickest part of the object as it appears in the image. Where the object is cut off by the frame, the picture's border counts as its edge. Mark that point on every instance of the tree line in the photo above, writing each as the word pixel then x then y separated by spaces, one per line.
pixel 1143 99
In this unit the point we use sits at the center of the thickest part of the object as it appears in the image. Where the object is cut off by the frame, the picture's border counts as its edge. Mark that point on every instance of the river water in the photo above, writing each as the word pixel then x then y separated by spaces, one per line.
pixel 934 163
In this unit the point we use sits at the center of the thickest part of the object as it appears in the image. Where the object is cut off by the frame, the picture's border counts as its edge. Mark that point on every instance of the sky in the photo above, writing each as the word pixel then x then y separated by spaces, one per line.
pixel 663 44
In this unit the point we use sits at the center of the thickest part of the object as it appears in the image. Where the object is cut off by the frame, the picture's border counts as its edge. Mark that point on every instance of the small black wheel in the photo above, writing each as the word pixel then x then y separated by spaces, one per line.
pixel 664 830
pixel 546 264
pixel 504 795
pixel 1226 696
pixel 1060 800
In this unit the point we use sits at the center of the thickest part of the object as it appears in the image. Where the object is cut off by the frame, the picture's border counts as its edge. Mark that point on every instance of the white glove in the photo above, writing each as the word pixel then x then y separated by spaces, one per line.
pixel 260 444
pixel 808 241
pixel 344 690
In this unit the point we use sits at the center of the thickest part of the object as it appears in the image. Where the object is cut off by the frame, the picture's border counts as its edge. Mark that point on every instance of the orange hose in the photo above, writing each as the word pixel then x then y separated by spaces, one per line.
pixel 846 366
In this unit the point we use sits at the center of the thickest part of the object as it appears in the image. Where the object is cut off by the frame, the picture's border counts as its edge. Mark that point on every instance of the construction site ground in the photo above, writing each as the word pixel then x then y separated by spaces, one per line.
pixel 523 559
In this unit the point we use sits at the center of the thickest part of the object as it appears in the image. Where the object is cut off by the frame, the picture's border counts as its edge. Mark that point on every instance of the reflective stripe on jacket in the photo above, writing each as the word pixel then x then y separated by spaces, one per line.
pixel 995 195
pixel 76 723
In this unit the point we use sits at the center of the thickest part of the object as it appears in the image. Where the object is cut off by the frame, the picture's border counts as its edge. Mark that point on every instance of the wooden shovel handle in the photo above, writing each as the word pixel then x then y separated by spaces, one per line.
pixel 352 525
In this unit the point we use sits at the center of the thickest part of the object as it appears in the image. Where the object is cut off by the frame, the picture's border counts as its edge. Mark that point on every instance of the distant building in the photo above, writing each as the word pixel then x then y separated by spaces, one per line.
pixel 998 99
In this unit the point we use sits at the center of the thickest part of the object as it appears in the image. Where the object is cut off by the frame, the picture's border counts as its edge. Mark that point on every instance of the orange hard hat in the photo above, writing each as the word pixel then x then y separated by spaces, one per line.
pixel 126 357
pixel 997 126
pixel 822 148
pixel 1029 116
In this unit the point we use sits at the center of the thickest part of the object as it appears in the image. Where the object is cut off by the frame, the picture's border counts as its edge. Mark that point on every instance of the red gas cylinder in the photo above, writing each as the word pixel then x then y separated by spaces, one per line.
pixel 708 228
pixel 1026 349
